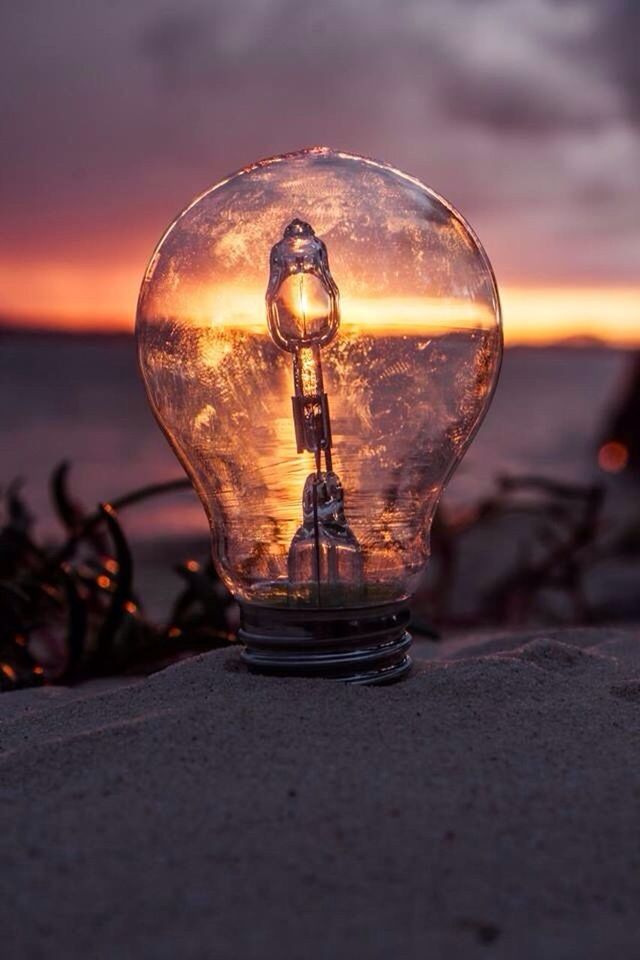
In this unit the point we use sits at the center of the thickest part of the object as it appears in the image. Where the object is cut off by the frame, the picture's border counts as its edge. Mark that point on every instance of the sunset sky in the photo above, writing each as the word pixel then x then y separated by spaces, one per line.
pixel 524 113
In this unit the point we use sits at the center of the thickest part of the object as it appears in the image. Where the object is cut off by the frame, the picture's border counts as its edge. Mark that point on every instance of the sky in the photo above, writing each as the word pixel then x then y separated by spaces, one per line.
pixel 525 114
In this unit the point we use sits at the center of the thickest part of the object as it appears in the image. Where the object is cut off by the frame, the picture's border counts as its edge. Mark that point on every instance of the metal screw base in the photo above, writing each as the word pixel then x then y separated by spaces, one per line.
pixel 357 645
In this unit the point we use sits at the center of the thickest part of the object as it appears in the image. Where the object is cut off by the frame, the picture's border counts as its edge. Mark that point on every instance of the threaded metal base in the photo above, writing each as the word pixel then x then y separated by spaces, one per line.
pixel 357 645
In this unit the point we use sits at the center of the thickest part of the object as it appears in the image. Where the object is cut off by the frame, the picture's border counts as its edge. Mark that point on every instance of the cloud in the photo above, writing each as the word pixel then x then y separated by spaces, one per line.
pixel 172 41
pixel 523 112
pixel 618 40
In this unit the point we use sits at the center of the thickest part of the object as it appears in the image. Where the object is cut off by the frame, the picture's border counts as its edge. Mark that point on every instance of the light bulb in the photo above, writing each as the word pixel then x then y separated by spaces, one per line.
pixel 320 338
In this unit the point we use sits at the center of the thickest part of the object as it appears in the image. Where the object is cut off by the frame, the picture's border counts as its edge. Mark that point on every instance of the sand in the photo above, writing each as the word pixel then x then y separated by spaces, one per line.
pixel 487 806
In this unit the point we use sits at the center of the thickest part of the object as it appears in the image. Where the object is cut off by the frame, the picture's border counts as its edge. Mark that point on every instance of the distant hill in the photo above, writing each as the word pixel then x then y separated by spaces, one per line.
pixel 581 341
pixel 12 328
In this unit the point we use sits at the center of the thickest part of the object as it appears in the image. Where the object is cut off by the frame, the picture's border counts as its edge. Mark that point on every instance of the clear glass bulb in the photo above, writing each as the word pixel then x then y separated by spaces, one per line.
pixel 320 338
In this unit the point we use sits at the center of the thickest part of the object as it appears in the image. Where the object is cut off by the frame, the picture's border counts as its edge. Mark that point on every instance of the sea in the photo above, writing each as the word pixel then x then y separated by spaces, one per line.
pixel 81 399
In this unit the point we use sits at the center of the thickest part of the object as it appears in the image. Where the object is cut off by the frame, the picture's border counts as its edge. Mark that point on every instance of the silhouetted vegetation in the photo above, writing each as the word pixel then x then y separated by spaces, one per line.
pixel 561 542
pixel 70 611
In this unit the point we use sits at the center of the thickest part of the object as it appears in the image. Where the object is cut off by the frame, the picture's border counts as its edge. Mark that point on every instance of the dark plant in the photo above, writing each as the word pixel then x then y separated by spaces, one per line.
pixel 563 541
pixel 71 612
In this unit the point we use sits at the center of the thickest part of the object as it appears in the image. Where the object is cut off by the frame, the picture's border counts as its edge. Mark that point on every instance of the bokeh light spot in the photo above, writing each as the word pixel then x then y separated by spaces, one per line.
pixel 613 456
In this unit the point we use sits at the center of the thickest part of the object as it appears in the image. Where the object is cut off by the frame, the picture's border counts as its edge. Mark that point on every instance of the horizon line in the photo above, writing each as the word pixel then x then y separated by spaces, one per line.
pixel 606 314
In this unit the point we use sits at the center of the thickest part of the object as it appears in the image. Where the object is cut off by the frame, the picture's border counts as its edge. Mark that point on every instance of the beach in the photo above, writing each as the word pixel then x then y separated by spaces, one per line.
pixel 485 806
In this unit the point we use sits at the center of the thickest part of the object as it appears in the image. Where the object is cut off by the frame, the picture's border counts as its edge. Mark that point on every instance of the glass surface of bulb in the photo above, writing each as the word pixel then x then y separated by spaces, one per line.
pixel 319 274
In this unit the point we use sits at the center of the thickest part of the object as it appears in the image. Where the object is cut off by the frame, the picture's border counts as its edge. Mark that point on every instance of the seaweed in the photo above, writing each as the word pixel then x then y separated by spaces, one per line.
pixel 563 538
pixel 70 612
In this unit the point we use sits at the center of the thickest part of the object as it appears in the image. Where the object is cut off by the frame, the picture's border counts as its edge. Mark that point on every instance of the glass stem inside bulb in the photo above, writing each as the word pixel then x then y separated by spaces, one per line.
pixel 311 405
pixel 324 551
pixel 325 557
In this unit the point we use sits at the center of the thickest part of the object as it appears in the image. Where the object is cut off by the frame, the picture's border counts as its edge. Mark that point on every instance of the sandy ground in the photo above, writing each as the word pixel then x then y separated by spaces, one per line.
pixel 487 806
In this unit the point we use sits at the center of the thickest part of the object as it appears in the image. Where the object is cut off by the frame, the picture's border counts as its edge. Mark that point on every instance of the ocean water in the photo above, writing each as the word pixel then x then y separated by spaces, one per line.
pixel 82 399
